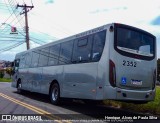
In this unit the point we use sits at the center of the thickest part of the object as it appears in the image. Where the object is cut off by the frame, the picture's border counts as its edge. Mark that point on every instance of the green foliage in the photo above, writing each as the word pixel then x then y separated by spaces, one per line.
pixel 158 69
pixel 150 107
pixel 1 73
pixel 5 80
pixel 9 71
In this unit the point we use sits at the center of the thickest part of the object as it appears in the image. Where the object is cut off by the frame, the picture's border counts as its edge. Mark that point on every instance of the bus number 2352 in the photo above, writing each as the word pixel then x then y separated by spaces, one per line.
pixel 129 63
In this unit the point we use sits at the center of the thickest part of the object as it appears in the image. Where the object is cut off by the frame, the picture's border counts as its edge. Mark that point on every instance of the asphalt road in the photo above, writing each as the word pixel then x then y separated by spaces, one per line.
pixel 30 107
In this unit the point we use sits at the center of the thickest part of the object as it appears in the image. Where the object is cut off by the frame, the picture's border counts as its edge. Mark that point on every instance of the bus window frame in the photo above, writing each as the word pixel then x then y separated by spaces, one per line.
pixel 132 55
pixel 16 66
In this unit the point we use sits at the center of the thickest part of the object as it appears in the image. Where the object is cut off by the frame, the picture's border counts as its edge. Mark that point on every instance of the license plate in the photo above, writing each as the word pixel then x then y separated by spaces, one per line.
pixel 136 82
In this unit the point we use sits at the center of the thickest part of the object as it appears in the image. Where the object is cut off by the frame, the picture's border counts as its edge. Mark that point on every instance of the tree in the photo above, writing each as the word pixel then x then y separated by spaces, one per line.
pixel 158 69
pixel 1 73
pixel 9 71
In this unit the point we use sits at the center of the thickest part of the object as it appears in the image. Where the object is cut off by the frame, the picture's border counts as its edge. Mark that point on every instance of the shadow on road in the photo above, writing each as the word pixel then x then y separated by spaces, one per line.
pixel 95 111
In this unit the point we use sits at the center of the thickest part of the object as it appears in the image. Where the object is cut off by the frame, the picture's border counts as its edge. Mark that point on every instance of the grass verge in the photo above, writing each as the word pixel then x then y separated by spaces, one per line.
pixel 150 107
pixel 5 80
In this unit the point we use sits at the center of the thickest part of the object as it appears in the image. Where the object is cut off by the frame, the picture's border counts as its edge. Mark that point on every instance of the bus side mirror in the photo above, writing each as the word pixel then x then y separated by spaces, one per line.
pixel 12 64
pixel 13 71
pixel 15 66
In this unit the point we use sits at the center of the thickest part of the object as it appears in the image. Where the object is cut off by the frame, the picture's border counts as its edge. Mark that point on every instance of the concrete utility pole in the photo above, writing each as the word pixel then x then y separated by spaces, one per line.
pixel 25 8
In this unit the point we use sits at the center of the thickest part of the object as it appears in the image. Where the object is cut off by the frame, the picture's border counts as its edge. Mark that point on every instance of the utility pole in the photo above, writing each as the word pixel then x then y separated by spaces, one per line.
pixel 25 8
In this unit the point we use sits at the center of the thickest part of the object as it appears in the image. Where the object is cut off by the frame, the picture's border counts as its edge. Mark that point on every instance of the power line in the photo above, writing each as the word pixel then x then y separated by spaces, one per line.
pixel 52 37
pixel 10 40
pixel 36 42
pixel 11 47
pixel 15 40
pixel 2 31
pixel 14 21
pixel 7 19
pixel 14 12
pixel 3 4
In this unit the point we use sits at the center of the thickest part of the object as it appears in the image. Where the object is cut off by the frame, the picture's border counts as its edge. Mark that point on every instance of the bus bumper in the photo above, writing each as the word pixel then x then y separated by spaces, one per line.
pixel 13 84
pixel 128 95
pixel 123 94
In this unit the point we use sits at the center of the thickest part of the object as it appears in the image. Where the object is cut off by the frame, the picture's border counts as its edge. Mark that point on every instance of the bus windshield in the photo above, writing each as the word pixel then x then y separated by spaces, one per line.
pixel 135 42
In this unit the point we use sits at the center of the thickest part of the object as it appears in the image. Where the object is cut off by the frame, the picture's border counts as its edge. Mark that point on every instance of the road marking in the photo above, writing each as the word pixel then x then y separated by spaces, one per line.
pixel 33 108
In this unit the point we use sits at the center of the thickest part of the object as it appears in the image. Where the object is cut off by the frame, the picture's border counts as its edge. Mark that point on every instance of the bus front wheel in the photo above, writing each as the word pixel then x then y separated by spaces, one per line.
pixel 19 87
pixel 55 94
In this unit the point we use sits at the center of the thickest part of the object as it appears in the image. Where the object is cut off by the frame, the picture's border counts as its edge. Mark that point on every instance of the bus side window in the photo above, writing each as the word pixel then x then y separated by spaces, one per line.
pixel 82 49
pixel 15 65
pixel 98 45
pixel 28 60
pixel 54 54
pixel 43 58
pixel 66 52
pixel 35 58
pixel 22 61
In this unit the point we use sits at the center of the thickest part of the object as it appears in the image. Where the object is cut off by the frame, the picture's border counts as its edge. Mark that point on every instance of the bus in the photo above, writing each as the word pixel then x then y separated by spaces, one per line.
pixel 114 61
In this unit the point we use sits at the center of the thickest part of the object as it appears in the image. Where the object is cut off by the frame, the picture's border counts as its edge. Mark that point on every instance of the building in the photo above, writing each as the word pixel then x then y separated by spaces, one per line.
pixel 2 64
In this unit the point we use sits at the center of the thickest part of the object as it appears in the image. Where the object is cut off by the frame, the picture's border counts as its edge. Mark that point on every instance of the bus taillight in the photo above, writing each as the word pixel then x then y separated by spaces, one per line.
pixel 154 79
pixel 112 73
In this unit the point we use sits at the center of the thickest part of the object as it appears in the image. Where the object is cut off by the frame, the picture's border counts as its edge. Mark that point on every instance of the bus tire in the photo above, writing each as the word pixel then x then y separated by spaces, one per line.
pixel 55 94
pixel 19 87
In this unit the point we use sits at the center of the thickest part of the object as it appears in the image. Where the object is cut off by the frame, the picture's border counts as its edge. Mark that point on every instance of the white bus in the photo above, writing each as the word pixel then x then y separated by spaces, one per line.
pixel 114 61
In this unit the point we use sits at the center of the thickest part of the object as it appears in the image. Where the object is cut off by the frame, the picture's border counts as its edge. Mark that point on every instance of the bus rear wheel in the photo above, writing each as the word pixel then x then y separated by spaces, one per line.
pixel 55 94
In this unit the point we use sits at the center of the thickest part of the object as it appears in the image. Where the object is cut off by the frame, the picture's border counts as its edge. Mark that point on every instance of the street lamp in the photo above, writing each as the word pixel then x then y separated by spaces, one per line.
pixel 13 29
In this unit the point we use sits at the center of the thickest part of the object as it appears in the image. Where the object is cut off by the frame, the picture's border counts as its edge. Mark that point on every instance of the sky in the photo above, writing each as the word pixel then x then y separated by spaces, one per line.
pixel 51 20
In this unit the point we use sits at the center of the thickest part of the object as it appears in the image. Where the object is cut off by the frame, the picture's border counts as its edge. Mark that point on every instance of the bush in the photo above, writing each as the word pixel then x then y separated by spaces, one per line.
pixel 152 107
pixel 9 71
pixel 1 73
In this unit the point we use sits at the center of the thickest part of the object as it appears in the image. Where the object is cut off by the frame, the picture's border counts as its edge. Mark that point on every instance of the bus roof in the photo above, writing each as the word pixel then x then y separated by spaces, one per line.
pixel 82 34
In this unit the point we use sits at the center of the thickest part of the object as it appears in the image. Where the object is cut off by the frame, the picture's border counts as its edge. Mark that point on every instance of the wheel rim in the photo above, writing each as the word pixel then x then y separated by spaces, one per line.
pixel 54 94
pixel 19 87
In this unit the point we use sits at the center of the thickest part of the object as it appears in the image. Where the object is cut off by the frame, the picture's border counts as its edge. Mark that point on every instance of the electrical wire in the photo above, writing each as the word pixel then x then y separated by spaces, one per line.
pixel 20 39
pixel 7 19
pixel 2 31
pixel 14 40
pixel 13 12
pixel 11 40
pixel 11 47
pixel 36 42
pixel 41 42
pixel 52 37
pixel 13 9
